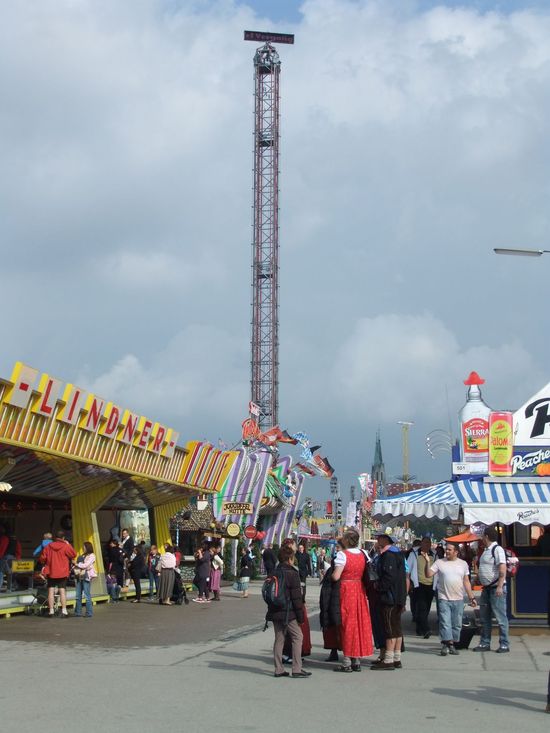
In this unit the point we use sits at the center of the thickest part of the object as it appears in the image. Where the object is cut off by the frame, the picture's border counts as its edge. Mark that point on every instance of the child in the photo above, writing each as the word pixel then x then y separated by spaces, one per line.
pixel 113 587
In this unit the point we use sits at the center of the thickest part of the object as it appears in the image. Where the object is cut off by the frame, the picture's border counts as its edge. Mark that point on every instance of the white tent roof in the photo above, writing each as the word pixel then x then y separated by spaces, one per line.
pixel 481 501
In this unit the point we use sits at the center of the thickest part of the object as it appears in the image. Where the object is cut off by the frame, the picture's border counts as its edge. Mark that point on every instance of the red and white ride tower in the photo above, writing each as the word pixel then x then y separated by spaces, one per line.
pixel 264 382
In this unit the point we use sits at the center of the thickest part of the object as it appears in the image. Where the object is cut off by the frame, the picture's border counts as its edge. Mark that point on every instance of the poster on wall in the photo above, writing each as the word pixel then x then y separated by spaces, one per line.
pixel 136 521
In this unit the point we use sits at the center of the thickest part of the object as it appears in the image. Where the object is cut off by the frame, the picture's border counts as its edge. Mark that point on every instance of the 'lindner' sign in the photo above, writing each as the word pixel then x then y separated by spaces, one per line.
pixel 237 507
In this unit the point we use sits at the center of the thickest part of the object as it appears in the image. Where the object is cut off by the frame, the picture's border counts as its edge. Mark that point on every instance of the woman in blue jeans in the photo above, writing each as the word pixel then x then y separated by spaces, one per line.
pixel 85 572
pixel 452 583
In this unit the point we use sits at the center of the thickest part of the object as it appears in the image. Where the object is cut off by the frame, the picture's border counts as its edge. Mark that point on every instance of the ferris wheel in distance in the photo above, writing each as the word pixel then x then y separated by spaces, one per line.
pixel 438 441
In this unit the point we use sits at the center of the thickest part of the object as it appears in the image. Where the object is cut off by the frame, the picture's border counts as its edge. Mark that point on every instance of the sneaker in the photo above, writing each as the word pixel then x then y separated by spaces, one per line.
pixel 481 648
pixel 453 651
pixel 503 650
pixel 444 650
pixel 197 600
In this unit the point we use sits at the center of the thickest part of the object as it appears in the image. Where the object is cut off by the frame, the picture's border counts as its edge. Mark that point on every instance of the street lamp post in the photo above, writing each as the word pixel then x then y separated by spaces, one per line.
pixel 521 252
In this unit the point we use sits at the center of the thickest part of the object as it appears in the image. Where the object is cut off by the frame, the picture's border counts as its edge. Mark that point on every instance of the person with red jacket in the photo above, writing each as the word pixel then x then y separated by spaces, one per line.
pixel 4 543
pixel 56 558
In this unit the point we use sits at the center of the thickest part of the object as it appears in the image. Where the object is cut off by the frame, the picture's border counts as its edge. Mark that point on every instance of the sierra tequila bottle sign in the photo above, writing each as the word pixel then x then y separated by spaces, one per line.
pixel 474 426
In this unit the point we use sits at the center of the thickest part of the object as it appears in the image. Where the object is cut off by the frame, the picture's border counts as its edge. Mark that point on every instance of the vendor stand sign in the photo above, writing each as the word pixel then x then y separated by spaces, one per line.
pixel 237 507
pixel 233 530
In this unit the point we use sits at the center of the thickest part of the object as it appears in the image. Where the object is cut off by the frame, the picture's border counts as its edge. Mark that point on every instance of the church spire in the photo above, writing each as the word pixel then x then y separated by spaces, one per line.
pixel 378 471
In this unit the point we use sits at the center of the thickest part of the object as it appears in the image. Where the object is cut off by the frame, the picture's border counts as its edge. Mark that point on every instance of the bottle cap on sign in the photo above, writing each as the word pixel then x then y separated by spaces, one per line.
pixel 474 378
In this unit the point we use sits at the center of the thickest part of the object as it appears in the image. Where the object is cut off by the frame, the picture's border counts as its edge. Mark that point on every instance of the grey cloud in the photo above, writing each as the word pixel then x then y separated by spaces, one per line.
pixel 412 144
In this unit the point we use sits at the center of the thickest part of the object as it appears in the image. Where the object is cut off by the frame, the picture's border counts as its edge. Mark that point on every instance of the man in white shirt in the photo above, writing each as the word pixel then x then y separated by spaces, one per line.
pixel 452 582
pixel 492 576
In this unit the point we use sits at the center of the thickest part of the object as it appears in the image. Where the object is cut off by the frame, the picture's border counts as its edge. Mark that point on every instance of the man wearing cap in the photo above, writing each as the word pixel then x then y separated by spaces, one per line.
pixel 453 581
pixel 392 591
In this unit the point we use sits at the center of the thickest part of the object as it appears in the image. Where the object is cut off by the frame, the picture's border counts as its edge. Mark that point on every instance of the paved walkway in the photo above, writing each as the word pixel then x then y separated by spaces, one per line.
pixel 144 666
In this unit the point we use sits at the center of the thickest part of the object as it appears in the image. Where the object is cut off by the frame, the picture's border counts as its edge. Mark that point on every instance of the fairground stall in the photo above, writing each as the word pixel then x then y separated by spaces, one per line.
pixel 72 460
pixel 515 448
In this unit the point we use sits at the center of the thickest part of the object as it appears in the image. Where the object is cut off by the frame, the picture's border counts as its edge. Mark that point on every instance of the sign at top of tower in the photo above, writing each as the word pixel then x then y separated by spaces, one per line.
pixel 273 37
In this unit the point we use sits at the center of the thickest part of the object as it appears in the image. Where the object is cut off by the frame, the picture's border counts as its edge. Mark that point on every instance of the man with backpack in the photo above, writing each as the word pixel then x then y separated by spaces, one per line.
pixel 492 576
pixel 283 595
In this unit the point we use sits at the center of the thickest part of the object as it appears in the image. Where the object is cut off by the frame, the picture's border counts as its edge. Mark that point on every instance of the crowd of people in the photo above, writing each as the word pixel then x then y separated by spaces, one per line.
pixel 363 598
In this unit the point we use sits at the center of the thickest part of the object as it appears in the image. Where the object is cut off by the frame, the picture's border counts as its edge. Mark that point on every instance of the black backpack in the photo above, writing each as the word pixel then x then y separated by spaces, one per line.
pixel 274 590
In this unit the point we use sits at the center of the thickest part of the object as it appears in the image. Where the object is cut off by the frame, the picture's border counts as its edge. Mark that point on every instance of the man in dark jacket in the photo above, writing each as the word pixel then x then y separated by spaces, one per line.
pixel 392 590
pixel 269 559
pixel 288 620
pixel 127 543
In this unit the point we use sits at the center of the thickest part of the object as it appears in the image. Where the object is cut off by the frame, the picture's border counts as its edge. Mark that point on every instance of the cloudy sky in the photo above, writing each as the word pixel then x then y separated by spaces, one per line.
pixel 415 139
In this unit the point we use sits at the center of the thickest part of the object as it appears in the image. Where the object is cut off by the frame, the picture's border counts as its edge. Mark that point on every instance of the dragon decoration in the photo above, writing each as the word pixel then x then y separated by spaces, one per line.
pixel 311 464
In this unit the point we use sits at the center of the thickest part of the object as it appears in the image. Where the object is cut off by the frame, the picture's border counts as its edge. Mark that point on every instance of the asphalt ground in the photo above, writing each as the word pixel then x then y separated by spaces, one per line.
pixel 145 667
pixel 128 625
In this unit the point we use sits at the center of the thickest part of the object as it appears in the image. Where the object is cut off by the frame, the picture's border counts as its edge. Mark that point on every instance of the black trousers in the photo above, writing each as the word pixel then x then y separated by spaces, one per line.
pixel 412 600
pixel 202 587
pixel 137 583
pixel 424 596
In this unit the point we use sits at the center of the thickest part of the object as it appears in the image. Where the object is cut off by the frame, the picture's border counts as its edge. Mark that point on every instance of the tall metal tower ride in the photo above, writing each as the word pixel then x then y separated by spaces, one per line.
pixel 264 382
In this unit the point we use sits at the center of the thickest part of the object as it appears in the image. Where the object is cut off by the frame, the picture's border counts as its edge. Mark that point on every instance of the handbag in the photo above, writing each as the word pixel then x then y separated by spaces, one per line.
pixel 80 573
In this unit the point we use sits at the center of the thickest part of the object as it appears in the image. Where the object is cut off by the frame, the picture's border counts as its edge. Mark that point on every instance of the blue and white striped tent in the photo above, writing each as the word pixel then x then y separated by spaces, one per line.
pixel 486 501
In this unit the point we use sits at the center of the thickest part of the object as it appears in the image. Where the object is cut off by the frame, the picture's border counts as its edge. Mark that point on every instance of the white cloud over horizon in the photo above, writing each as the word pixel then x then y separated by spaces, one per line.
pixel 413 143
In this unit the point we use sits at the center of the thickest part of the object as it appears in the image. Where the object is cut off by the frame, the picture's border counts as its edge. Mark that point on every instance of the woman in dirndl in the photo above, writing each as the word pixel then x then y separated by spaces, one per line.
pixel 166 567
pixel 355 625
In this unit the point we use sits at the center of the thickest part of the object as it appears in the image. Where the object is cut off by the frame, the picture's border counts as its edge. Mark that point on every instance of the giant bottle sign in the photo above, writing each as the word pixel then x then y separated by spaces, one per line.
pixel 474 426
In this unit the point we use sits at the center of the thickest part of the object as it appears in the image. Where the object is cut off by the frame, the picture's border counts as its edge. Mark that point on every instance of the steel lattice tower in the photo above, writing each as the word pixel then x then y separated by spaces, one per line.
pixel 265 242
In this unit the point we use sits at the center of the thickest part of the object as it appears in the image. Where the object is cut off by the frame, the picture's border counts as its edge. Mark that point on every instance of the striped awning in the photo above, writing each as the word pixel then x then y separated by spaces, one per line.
pixel 480 501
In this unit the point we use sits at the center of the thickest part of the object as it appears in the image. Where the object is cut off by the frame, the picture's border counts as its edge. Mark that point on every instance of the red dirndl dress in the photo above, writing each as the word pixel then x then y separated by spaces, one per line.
pixel 306 643
pixel 356 629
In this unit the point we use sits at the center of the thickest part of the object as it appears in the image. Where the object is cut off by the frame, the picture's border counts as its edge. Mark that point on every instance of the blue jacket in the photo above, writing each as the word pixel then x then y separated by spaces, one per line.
pixel 40 547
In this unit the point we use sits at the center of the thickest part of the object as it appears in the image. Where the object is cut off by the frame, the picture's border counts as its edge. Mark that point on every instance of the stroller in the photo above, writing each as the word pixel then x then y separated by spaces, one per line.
pixel 179 595
pixel 39 605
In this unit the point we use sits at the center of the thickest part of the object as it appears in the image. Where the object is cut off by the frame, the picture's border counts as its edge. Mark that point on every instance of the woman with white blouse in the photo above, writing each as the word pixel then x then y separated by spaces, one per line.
pixel 165 568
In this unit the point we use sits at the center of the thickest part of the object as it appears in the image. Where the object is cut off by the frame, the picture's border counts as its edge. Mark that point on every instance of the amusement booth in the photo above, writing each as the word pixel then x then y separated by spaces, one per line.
pixel 501 476
pixel 72 460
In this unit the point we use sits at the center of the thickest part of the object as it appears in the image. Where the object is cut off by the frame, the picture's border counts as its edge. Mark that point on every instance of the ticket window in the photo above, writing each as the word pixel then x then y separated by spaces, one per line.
pixel 526 537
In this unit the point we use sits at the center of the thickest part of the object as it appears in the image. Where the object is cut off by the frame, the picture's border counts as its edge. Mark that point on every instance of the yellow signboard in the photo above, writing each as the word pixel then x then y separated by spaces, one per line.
pixel 237 507
pixel 42 413
pixel 233 530
pixel 22 566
